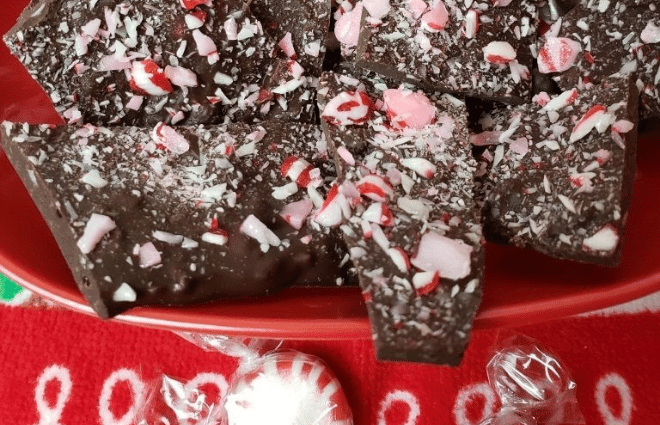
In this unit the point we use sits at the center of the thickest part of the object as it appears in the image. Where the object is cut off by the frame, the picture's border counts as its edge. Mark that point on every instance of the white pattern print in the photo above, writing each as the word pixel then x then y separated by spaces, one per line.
pixel 51 415
pixel 466 395
pixel 615 381
pixel 404 397
pixel 137 388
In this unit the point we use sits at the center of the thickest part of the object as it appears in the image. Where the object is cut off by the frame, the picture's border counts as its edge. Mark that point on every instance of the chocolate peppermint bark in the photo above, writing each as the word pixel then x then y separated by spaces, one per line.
pixel 559 176
pixel 479 49
pixel 405 205
pixel 140 63
pixel 170 217
pixel 600 38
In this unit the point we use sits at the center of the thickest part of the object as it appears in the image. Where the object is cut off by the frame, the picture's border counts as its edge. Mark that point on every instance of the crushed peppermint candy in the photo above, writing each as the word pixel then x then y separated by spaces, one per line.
pixel 96 228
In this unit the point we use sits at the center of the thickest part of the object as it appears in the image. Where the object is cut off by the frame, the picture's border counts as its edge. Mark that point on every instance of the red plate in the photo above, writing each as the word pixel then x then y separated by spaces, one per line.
pixel 521 287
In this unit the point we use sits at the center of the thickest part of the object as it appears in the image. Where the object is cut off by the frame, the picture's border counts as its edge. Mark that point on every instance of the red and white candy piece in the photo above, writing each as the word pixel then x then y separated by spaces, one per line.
pixel 435 18
pixel 206 47
pixel 588 122
pixel 170 139
pixel 300 171
pixel 191 4
pixel 558 54
pixel 296 213
pixel 195 19
pixel 149 79
pixel 399 258
pixel 450 257
pixel 499 52
pixel 334 208
pixel 425 282
pixel 348 108
pixel 96 228
pixel 292 387
pixel 347 28
pixel 561 101
pixel 286 44
pixel 408 109
pixel 605 239
pixel 378 213
pixel 622 126
pixel 375 187
pixel 422 167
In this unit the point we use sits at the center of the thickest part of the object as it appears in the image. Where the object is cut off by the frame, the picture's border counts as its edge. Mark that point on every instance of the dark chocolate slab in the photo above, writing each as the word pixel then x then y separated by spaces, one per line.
pixel 444 46
pixel 413 231
pixel 559 177
pixel 621 37
pixel 178 200
pixel 206 64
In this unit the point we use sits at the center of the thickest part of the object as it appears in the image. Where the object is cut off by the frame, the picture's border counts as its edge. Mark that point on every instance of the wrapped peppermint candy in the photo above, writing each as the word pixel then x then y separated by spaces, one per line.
pixel 287 388
pixel 269 386
pixel 533 385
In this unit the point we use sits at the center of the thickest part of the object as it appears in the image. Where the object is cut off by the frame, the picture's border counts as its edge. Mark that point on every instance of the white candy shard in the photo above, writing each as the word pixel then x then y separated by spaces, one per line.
pixel 254 228
pixel 96 228
pixel 216 238
pixel 606 240
pixel 170 138
pixel 558 54
pixel 423 167
pixel 149 255
pixel 450 257
pixel 94 179
pixel 296 213
pixel 587 123
pixel 499 52
pixel 650 34
pixel 124 294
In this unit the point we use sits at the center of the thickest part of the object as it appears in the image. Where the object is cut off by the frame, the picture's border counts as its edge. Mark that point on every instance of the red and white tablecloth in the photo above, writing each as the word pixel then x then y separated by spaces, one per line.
pixel 64 368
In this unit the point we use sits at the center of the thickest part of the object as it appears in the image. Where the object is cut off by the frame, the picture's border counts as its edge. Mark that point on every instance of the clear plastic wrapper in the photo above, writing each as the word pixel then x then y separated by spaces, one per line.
pixel 170 401
pixel 270 386
pixel 534 386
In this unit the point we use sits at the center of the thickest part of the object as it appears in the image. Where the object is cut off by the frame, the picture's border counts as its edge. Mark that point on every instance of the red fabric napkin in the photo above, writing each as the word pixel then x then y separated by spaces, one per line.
pixel 60 367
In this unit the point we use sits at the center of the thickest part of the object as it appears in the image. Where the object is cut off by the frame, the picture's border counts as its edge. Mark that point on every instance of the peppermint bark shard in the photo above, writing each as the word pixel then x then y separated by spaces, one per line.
pixel 141 63
pixel 413 231
pixel 479 49
pixel 172 217
pixel 601 38
pixel 559 177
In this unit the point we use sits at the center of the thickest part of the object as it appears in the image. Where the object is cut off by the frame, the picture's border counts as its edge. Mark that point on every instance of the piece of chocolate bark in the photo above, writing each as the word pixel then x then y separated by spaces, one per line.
pixel 300 28
pixel 140 63
pixel 479 49
pixel 405 205
pixel 172 217
pixel 600 38
pixel 558 176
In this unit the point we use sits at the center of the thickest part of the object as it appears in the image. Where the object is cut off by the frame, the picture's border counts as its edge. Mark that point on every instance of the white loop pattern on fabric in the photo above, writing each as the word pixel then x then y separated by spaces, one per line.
pixel 615 381
pixel 137 388
pixel 404 397
pixel 52 415
pixel 466 395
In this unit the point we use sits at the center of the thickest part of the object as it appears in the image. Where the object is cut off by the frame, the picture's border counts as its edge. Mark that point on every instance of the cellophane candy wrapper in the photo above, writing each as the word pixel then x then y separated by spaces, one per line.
pixel 244 349
pixel 533 385
pixel 270 386
pixel 286 388
pixel 169 401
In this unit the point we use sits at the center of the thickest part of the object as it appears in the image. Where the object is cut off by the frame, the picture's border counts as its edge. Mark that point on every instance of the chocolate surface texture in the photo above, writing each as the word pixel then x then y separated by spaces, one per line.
pixel 169 217
pixel 559 173
pixel 600 38
pixel 409 220
pixel 140 63
pixel 479 49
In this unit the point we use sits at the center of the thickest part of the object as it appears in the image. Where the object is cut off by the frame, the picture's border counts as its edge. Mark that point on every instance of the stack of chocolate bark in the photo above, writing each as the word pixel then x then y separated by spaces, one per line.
pixel 220 149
